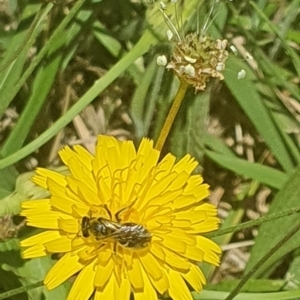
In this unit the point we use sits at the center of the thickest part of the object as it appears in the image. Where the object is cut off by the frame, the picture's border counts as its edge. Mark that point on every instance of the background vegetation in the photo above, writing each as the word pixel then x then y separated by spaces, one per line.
pixel 70 70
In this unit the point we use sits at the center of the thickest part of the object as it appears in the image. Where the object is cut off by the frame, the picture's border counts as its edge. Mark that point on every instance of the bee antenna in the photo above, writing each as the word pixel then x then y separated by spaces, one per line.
pixel 107 210
pixel 117 215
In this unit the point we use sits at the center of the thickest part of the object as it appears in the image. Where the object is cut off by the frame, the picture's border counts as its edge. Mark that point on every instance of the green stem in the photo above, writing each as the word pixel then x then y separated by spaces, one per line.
pixel 257 222
pixel 171 115
pixel 20 290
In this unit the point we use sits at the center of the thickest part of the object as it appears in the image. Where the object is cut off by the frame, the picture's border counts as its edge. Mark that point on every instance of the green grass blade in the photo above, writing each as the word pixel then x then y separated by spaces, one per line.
pixel 213 295
pixel 139 100
pixel 41 87
pixel 10 76
pixel 269 235
pixel 140 48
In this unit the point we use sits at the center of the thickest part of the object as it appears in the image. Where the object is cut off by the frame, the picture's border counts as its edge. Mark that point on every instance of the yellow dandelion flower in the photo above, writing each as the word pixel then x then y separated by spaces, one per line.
pixel 125 222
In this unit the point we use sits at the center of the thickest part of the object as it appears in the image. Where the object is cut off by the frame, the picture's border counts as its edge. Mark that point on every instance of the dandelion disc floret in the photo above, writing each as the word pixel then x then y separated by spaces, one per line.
pixel 125 222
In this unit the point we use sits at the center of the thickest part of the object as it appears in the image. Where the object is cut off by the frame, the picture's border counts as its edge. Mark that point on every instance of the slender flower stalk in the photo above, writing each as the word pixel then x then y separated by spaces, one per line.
pixel 195 59
pixel 171 115
pixel 124 222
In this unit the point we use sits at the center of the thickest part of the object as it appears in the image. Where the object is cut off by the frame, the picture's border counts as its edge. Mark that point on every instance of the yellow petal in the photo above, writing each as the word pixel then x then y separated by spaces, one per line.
pixel 85 156
pixel 86 253
pixel 178 289
pixel 123 291
pixel 198 191
pixel 108 292
pixel 161 285
pixel 46 220
pixel 176 261
pixel 148 292
pixel 107 154
pixel 66 267
pixel 63 199
pixel 165 166
pixel 157 250
pixel 128 153
pixel 103 274
pixel 186 164
pixel 161 186
pixel 171 242
pixel 35 206
pixel 81 173
pixel 135 275
pixel 192 216
pixel 180 181
pixel 69 225
pixel 163 199
pixel 151 265
pixel 194 253
pixel 147 158
pixel 195 278
pixel 127 256
pixel 34 251
pixel 79 162
pixel 83 286
pixel 90 195
pixel 211 250
pixel 193 182
pixel 41 238
pixel 105 255
pixel 60 245
pixel 208 208
pixel 181 235
pixel 77 242
pixel 42 175
pixel 210 224
pixel 184 202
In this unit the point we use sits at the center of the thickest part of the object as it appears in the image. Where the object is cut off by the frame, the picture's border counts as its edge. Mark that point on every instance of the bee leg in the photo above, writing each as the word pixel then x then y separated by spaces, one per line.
pixel 117 215
pixel 108 211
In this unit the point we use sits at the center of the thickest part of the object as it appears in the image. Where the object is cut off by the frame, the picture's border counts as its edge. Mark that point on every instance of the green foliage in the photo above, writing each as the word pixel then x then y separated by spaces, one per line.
pixel 46 42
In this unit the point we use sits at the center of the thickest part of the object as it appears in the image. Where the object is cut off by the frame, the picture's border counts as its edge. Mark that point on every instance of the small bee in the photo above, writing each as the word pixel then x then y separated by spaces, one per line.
pixel 100 228
pixel 130 235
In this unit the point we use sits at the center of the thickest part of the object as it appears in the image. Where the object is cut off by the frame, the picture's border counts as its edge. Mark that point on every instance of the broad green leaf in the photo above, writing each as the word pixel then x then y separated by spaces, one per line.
pixel 24 190
pixel 30 271
pixel 256 171
pixel 269 233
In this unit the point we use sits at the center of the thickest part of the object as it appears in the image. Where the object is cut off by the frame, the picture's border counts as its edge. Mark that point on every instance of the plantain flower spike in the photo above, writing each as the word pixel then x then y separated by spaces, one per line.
pixel 197 57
